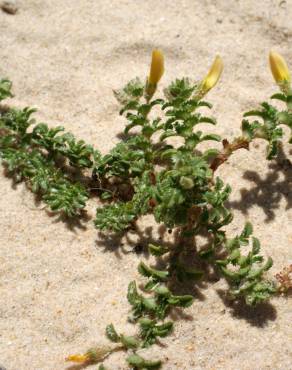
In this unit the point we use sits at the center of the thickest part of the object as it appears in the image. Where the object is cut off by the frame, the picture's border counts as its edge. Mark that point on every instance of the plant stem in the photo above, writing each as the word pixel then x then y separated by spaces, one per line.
pixel 228 149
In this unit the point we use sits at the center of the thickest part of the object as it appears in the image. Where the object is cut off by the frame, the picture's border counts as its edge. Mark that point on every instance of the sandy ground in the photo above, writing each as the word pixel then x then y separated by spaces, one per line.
pixel 60 285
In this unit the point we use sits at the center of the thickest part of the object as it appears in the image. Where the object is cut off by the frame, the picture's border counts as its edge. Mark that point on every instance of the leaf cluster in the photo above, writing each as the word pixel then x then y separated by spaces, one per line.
pixel 5 89
pixel 149 331
pixel 245 272
pixel 268 125
pixel 157 305
pixel 31 152
pixel 159 168
pixel 42 177
pixel 178 177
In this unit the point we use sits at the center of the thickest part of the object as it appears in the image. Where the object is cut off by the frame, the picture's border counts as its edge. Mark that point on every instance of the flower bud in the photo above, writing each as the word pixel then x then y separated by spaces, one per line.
pixel 78 358
pixel 93 355
pixel 186 182
pixel 156 72
pixel 213 75
pixel 157 67
pixel 279 68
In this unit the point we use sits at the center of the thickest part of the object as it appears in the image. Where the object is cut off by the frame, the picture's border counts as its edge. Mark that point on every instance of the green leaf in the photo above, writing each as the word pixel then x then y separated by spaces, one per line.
pixel 204 104
pixel 162 290
pixel 149 303
pixel 137 361
pixel 157 250
pixel 209 153
pixel 164 329
pixel 129 341
pixel 140 363
pixel 257 272
pixel 255 245
pixel 279 96
pixel 208 120
pixel 112 334
pixel 150 272
pixel 5 89
pixel 181 301
pixel 212 137
pixel 247 231
pixel 233 275
pixel 132 295
pixel 253 113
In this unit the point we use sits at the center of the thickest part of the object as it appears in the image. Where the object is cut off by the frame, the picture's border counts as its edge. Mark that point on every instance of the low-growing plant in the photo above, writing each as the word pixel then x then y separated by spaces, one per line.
pixel 160 168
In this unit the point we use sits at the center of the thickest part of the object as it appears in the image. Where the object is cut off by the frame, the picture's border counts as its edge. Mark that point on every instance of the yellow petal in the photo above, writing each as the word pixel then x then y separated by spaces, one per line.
pixel 279 68
pixel 157 67
pixel 94 354
pixel 77 358
pixel 213 75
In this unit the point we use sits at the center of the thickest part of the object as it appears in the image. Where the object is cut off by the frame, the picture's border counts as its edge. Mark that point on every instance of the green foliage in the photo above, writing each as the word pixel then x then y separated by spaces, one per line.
pixel 140 363
pixel 44 179
pixel 78 153
pixel 184 177
pixel 159 168
pixel 269 126
pixel 157 305
pixel 157 250
pixel 180 187
pixel 112 334
pixel 18 121
pixel 118 216
pixel 128 342
pixel 126 160
pixel 176 184
pixel 32 156
pixel 134 90
pixel 150 330
pixel 246 270
pixel 5 89
pixel 155 276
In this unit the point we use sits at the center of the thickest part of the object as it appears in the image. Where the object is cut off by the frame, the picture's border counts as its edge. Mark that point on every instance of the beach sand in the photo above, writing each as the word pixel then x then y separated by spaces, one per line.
pixel 61 284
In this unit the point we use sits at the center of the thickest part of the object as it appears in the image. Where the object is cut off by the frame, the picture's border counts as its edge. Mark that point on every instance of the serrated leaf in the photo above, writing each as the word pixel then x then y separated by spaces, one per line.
pixel 255 245
pixel 204 104
pixel 279 96
pixel 140 363
pixel 253 113
pixel 212 137
pixel 150 272
pixel 132 293
pixel 157 250
pixel 112 334
pixel 129 341
pixel 149 303
pixel 247 231
pixel 210 153
pixel 210 120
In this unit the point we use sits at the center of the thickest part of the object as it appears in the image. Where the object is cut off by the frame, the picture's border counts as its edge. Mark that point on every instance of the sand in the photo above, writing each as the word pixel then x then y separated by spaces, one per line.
pixel 59 284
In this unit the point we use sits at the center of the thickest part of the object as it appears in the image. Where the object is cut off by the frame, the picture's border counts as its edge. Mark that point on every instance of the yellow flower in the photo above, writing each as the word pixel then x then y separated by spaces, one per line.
pixel 157 67
pixel 213 75
pixel 279 68
pixel 156 72
pixel 94 354
pixel 78 358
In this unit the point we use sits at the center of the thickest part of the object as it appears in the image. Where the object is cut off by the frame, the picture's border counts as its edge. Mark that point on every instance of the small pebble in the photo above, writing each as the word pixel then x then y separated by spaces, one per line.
pixel 10 7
